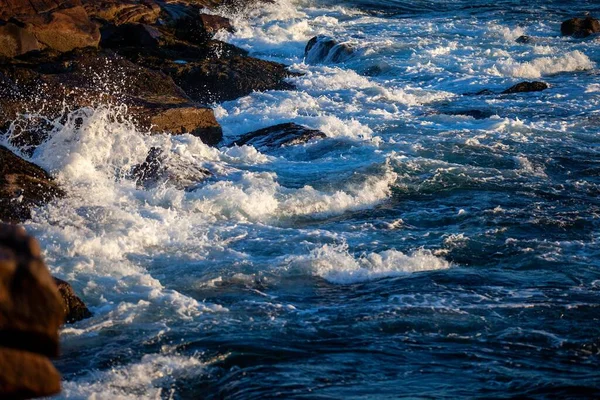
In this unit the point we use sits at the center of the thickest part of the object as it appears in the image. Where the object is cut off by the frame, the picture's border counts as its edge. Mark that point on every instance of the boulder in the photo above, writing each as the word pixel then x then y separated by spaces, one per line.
pixel 74 309
pixel 326 49
pixel 222 79
pixel 92 78
pixel 580 27
pixel 525 87
pixel 30 316
pixel 279 136
pixel 160 168
pixel 23 186
pixel 61 25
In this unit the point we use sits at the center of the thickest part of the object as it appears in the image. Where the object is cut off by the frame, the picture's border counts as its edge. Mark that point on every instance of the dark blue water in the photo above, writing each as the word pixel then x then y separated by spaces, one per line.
pixel 417 252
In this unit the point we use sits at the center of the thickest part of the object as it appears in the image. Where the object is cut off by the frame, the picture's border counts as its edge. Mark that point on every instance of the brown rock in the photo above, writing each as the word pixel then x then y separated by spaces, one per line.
pixel 214 23
pixel 61 25
pixel 30 316
pixel 23 186
pixel 92 78
pixel 24 375
pixel 580 27
pixel 74 309
pixel 15 39
pixel 120 12
pixel 217 80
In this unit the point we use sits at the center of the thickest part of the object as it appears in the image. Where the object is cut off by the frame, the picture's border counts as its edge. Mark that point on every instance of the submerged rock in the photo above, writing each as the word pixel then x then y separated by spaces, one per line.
pixel 30 316
pixel 522 87
pixel 74 309
pixel 279 135
pixel 61 25
pixel 476 114
pixel 580 27
pixel 160 168
pixel 524 39
pixel 23 186
pixel 525 87
pixel 326 49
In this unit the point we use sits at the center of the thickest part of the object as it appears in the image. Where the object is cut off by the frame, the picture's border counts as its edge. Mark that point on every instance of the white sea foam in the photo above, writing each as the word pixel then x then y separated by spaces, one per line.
pixel 573 61
pixel 336 265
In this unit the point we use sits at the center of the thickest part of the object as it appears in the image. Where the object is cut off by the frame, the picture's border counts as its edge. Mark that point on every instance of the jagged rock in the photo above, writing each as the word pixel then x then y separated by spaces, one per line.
pixel 130 35
pixel 279 135
pixel 23 186
pixel 74 309
pixel 580 27
pixel 118 12
pixel 524 87
pixel 91 78
pixel 160 168
pixel 222 79
pixel 61 25
pixel 30 316
pixel 325 49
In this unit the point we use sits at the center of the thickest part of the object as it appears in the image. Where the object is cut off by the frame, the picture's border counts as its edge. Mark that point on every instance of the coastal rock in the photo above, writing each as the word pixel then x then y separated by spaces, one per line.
pixel 279 135
pixel 92 78
pixel 120 12
pixel 223 79
pixel 74 309
pixel 525 87
pixel 30 316
pixel 61 25
pixel 580 27
pixel 23 186
pixel 159 168
pixel 325 49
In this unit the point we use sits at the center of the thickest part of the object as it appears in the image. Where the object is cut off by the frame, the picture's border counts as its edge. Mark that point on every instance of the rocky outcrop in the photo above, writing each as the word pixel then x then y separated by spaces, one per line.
pixel 278 136
pixel 23 186
pixel 525 87
pixel 74 309
pixel 119 12
pixel 60 25
pixel 160 168
pixel 580 27
pixel 524 39
pixel 325 49
pixel 30 316
pixel 91 78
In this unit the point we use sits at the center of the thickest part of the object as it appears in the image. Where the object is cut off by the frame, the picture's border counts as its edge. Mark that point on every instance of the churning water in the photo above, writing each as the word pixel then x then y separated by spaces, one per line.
pixel 435 245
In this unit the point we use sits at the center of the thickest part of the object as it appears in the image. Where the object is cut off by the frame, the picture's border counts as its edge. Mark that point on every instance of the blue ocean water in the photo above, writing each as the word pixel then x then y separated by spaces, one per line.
pixel 434 245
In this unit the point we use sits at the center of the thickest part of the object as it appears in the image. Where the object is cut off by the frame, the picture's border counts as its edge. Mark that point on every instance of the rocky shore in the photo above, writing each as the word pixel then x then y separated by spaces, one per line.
pixel 160 59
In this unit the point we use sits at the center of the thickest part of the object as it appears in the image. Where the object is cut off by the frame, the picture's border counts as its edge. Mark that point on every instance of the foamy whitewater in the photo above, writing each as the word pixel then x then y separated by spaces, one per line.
pixel 421 250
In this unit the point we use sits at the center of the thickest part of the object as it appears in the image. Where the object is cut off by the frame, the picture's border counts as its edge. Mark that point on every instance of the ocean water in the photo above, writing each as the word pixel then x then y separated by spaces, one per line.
pixel 416 252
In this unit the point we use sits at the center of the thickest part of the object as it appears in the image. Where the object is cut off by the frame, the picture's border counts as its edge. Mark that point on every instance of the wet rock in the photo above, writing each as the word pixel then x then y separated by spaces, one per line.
pixel 580 27
pixel 23 186
pixel 325 49
pixel 525 87
pixel 160 168
pixel 223 79
pixel 524 39
pixel 118 12
pixel 476 114
pixel 127 35
pixel 30 316
pixel 74 308
pixel 61 25
pixel 92 78
pixel 484 92
pixel 279 135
